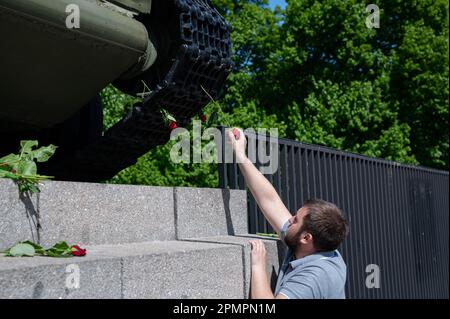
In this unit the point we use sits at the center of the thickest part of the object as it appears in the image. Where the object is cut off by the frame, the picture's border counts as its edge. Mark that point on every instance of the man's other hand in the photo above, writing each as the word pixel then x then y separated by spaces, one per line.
pixel 259 254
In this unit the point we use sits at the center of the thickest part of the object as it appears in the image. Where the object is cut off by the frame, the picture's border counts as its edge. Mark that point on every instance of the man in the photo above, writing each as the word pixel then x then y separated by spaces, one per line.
pixel 313 268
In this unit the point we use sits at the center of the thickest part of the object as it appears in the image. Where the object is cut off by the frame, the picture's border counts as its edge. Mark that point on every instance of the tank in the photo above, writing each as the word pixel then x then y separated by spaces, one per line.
pixel 57 55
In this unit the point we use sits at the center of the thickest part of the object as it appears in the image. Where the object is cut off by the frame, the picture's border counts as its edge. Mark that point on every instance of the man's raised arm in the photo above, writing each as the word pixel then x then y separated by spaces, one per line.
pixel 264 193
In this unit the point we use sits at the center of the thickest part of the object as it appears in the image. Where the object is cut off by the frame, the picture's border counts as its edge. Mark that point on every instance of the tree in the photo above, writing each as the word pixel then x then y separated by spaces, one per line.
pixel 319 75
pixel 381 92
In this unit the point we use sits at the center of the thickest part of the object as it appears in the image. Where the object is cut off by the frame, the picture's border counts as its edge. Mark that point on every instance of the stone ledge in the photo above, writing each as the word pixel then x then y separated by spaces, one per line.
pixel 94 214
pixel 204 212
pixel 169 269
pixel 275 254
pixel 86 213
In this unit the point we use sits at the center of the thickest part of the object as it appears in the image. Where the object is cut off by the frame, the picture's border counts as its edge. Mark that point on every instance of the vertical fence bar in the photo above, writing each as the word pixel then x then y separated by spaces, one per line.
pixel 381 260
pixel 292 171
pixel 344 198
pixel 440 252
pixel 387 234
pixel 326 177
pixel 430 230
pixel 442 221
pixel 298 176
pixel 301 177
pixel 368 235
pixel 411 206
pixel 394 231
pixel 396 198
pixel 406 221
pixel 284 176
pixel 444 190
pixel 414 204
pixel 312 161
pixel 223 182
pixel 374 226
pixel 354 201
pixel 318 162
pixel 305 169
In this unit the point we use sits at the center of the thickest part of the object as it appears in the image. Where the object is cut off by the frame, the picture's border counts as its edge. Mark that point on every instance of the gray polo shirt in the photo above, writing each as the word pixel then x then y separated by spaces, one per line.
pixel 317 276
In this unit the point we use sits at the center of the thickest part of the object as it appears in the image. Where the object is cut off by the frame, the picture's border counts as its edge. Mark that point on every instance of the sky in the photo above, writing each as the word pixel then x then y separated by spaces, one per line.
pixel 273 3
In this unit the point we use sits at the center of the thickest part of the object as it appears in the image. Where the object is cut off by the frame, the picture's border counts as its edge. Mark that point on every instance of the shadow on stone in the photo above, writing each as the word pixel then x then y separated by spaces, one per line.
pixel 38 290
pixel 33 214
pixel 226 205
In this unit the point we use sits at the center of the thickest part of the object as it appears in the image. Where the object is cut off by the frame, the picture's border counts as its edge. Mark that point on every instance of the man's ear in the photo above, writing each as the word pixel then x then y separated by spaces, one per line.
pixel 306 238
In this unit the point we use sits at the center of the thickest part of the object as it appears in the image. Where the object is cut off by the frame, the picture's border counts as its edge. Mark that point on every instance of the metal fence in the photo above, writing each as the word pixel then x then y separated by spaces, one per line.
pixel 398 215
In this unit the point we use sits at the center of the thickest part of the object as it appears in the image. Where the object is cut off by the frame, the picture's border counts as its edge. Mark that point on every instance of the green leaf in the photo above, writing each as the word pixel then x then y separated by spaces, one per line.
pixel 6 174
pixel 9 159
pixel 38 249
pixel 22 250
pixel 44 153
pixel 26 146
pixel 212 119
pixel 167 116
pixel 27 168
pixel 61 245
pixel 61 249
pixel 34 189
pixel 171 118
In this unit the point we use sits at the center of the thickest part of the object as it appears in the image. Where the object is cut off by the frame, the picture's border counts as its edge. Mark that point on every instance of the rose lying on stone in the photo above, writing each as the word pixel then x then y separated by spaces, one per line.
pixel 30 249
pixel 78 251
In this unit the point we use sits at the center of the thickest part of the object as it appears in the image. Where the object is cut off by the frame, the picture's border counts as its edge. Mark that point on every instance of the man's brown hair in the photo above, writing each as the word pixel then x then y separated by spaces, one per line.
pixel 326 223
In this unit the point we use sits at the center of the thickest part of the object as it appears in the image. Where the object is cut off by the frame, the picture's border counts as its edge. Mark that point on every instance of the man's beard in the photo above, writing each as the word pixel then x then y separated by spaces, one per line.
pixel 292 239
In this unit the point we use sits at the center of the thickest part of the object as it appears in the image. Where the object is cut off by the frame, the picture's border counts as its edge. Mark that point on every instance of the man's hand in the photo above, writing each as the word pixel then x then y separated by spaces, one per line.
pixel 237 139
pixel 259 284
pixel 259 254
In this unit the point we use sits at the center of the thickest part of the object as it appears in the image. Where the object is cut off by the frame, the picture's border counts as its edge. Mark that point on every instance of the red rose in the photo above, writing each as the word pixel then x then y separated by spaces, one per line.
pixel 78 251
pixel 173 125
pixel 13 171
pixel 203 118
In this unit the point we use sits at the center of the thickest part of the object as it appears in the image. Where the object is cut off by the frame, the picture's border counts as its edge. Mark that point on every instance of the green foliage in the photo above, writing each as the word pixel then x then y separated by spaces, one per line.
pixel 319 75
pixel 22 168
pixel 156 168
pixel 318 68
pixel 115 105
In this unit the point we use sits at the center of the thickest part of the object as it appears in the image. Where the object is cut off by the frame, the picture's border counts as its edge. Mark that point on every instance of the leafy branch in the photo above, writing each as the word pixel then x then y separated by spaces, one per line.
pixel 22 168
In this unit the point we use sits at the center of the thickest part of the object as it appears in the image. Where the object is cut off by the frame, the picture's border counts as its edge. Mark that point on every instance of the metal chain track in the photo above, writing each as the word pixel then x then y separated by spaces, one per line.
pixel 203 59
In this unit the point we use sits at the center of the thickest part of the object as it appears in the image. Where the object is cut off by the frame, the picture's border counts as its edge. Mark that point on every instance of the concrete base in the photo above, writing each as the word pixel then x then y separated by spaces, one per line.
pixel 275 254
pixel 86 213
pixel 169 269
pixel 143 242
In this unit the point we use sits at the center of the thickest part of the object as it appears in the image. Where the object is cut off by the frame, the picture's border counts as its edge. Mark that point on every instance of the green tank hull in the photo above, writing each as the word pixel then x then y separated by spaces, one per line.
pixel 57 55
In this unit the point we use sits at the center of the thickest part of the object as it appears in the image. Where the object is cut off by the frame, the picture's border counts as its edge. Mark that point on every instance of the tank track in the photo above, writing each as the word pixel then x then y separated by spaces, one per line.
pixel 201 58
